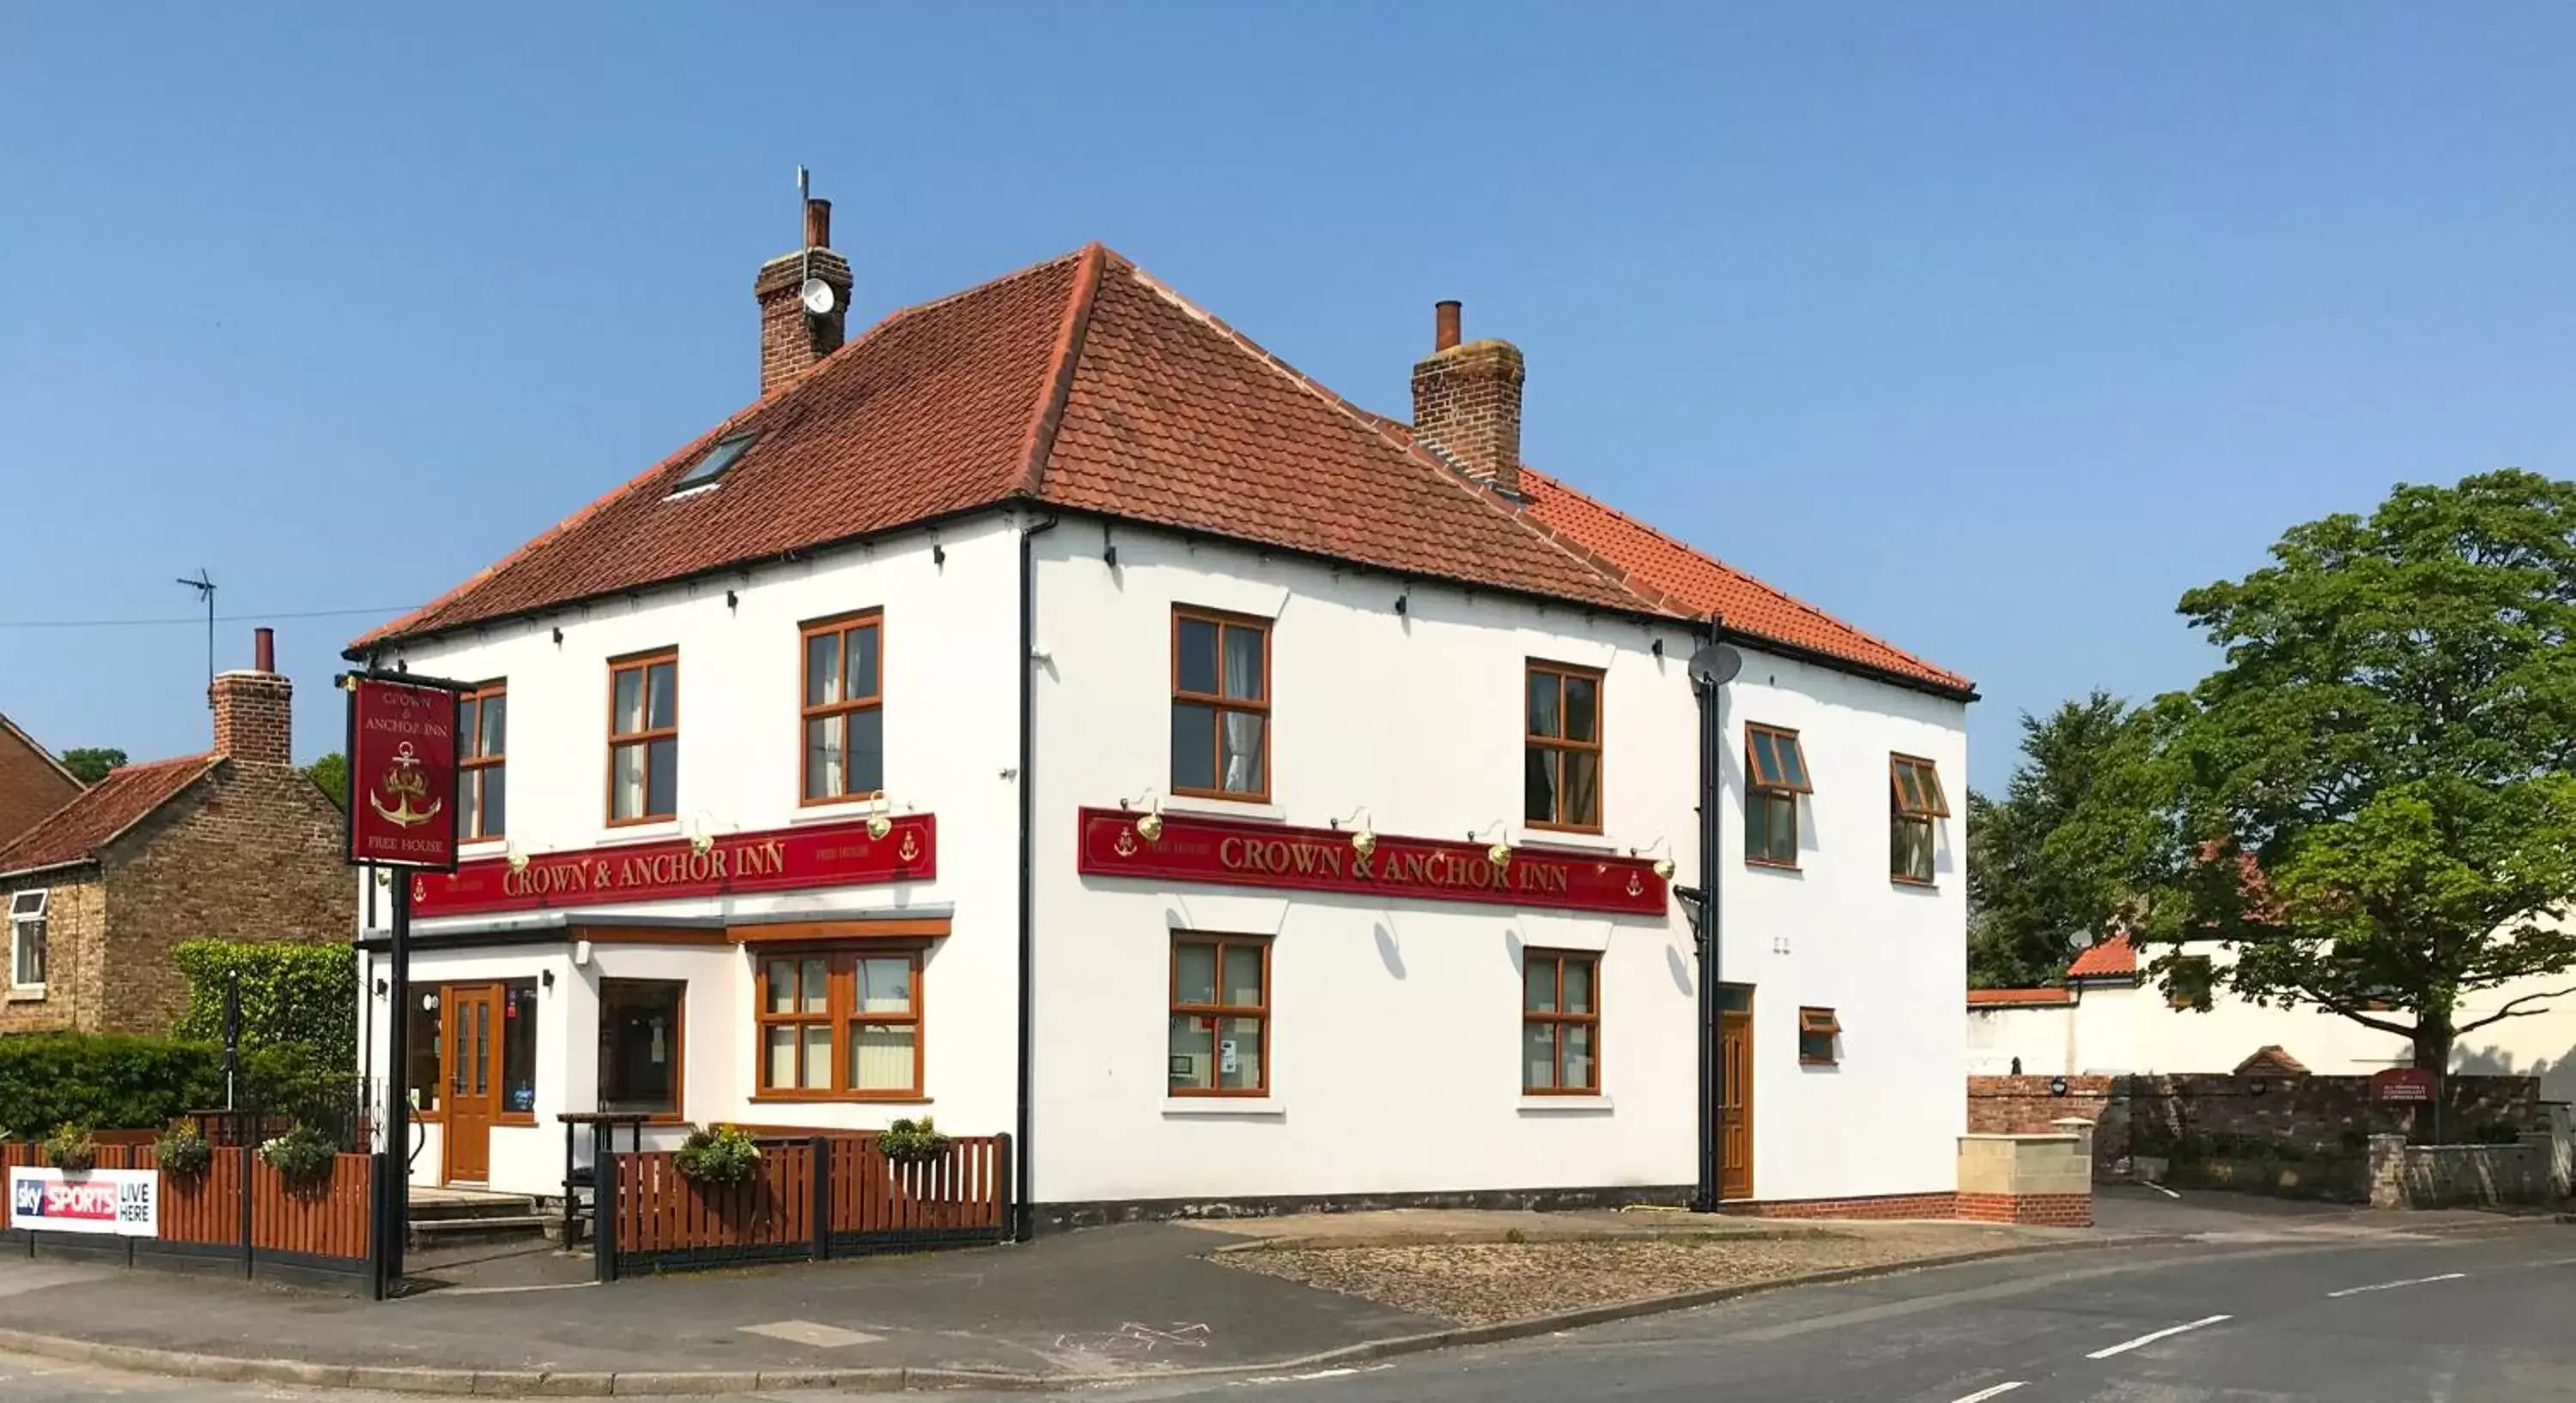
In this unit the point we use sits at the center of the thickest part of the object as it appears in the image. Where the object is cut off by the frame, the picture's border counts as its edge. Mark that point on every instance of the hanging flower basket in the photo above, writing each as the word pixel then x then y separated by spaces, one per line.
pixel 71 1148
pixel 912 1141
pixel 302 1156
pixel 182 1151
pixel 724 1155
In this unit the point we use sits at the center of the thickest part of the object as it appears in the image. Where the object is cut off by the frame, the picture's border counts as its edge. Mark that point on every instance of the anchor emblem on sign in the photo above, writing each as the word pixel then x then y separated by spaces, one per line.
pixel 1126 844
pixel 911 848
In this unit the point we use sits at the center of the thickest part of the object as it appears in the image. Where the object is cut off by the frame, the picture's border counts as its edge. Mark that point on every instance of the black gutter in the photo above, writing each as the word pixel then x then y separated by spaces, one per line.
pixel 1022 1219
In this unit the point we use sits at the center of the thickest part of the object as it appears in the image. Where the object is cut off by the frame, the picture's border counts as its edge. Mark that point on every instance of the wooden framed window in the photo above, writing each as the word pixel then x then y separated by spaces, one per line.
pixel 1915 800
pixel 1560 1023
pixel 1220 705
pixel 1817 1029
pixel 1561 784
pixel 842 719
pixel 644 737
pixel 2189 983
pixel 840 1025
pixel 1220 1031
pixel 482 775
pixel 424 1064
pixel 1775 774
pixel 642 1037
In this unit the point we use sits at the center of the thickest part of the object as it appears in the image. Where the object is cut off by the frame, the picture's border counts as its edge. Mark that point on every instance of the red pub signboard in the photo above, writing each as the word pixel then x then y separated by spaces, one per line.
pixel 2405 1086
pixel 784 859
pixel 1228 852
pixel 402 774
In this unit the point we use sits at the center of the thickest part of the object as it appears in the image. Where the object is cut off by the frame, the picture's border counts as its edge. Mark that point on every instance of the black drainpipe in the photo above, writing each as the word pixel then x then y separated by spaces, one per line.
pixel 1712 731
pixel 1022 1218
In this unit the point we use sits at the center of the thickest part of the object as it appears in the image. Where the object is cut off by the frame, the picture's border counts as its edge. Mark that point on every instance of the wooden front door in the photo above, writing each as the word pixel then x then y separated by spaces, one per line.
pixel 1735 1092
pixel 473 1028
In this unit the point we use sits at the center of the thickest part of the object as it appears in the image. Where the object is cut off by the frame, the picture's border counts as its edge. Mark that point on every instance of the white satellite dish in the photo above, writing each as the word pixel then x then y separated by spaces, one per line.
pixel 817 296
pixel 1715 665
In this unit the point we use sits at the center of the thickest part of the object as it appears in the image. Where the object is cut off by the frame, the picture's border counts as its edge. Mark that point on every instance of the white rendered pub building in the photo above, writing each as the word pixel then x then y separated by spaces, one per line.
pixel 1053 713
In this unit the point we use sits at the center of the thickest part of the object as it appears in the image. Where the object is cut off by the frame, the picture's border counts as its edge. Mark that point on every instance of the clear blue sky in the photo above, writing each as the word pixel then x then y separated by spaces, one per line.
pixel 1990 327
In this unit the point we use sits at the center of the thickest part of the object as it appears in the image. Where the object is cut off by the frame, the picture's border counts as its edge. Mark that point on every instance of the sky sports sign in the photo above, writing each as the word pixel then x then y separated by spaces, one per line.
pixel 120 1202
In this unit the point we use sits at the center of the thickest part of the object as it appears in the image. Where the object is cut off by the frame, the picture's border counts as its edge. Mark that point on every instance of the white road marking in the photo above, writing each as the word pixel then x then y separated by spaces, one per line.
pixel 2154 1335
pixel 2393 1285
pixel 1985 1393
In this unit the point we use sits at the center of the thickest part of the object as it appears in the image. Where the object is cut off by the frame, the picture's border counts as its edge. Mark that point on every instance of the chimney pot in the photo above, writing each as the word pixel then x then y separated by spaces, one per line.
pixel 818 224
pixel 255 709
pixel 793 338
pixel 263 649
pixel 1467 403
pixel 1444 325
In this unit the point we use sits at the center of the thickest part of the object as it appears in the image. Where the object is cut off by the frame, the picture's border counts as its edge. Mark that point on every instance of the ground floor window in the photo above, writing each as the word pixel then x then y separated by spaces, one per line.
pixel 1817 1029
pixel 640 1026
pixel 27 939
pixel 519 1050
pixel 1560 1023
pixel 1220 1030
pixel 840 1024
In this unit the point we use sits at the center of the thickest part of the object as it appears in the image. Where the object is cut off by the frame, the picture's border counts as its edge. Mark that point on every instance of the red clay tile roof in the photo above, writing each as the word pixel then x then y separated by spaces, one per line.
pixel 2114 956
pixel 2270 1061
pixel 1085 383
pixel 1704 585
pixel 76 831
pixel 1989 998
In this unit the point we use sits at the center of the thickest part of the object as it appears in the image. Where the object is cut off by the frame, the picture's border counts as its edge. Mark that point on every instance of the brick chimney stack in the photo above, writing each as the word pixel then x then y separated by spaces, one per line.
pixel 793 338
pixel 1467 402
pixel 254 709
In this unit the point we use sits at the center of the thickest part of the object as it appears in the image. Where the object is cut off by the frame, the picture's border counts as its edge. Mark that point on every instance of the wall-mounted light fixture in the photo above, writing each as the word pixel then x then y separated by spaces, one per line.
pixel 516 856
pixel 1500 854
pixel 1664 864
pixel 938 554
pixel 1404 604
pixel 1150 827
pixel 559 635
pixel 1363 841
pixel 546 977
pixel 732 600
pixel 382 988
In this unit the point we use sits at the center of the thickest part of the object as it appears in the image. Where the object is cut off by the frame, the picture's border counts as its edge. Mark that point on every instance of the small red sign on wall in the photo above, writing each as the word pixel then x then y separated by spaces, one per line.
pixel 2402 1086
pixel 402 774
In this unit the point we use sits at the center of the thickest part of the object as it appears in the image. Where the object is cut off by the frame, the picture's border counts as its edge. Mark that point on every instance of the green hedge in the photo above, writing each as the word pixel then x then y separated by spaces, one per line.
pixel 299 995
pixel 107 1081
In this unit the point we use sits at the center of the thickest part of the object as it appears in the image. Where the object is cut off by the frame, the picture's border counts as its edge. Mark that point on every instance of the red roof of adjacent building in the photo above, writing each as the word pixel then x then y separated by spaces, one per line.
pixel 2115 956
pixel 1085 383
pixel 1984 998
pixel 76 831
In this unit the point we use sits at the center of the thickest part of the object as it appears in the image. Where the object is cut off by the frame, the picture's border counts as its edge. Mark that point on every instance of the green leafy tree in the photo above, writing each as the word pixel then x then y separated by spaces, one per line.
pixel 90 763
pixel 331 772
pixel 2031 882
pixel 2370 802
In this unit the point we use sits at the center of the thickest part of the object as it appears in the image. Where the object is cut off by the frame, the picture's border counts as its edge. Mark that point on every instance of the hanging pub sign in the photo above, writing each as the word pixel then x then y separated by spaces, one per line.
pixel 402 772
pixel 1228 852
pixel 782 859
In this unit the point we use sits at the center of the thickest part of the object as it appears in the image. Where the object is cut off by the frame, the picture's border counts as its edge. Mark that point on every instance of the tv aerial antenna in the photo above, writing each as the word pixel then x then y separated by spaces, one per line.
pixel 815 293
pixel 204 585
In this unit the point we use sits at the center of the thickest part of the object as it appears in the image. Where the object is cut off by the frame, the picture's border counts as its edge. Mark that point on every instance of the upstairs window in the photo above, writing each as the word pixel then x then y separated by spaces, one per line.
pixel 2190 982
pixel 482 778
pixel 1915 800
pixel 27 939
pixel 726 452
pixel 1220 705
pixel 1775 774
pixel 644 738
pixel 844 712
pixel 1561 771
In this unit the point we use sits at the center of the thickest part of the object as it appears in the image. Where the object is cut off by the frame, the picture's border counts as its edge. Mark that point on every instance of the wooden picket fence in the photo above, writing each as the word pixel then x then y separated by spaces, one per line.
pixel 323 1232
pixel 822 1196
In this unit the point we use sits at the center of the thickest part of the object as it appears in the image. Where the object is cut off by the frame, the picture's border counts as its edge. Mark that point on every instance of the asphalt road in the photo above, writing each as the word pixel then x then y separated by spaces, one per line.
pixel 2488 1319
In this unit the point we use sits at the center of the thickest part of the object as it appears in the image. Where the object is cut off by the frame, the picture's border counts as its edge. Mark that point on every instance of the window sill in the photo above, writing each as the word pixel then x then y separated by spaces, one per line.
pixel 850 1098
pixel 26 993
pixel 517 1120
pixel 639 830
pixel 1221 1107
pixel 1912 883
pixel 1765 864
pixel 1573 840
pixel 1225 808
pixel 1573 1103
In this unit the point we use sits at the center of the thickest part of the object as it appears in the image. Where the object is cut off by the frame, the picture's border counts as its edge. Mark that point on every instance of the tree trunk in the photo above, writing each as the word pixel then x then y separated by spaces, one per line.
pixel 2433 1045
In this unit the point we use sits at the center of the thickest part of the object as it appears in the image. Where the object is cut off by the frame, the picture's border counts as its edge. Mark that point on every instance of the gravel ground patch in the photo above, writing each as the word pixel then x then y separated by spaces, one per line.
pixel 1487 1283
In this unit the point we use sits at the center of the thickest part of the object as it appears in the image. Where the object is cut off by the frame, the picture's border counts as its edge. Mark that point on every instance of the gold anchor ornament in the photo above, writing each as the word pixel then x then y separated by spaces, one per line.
pixel 405 782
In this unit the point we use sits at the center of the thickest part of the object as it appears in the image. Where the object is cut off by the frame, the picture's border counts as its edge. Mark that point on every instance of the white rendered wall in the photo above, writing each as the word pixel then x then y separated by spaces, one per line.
pixel 1396 1023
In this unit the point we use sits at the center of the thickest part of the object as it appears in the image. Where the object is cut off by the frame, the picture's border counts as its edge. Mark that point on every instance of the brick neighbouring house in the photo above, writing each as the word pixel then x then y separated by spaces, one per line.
pixel 235 844
pixel 32 782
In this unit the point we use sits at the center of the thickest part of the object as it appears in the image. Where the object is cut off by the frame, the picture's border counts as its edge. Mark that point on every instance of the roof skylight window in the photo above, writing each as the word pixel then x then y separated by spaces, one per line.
pixel 719 458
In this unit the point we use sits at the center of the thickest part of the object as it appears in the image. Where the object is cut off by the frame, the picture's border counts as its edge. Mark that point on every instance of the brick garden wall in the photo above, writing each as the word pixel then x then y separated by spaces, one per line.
pixel 2327 1117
